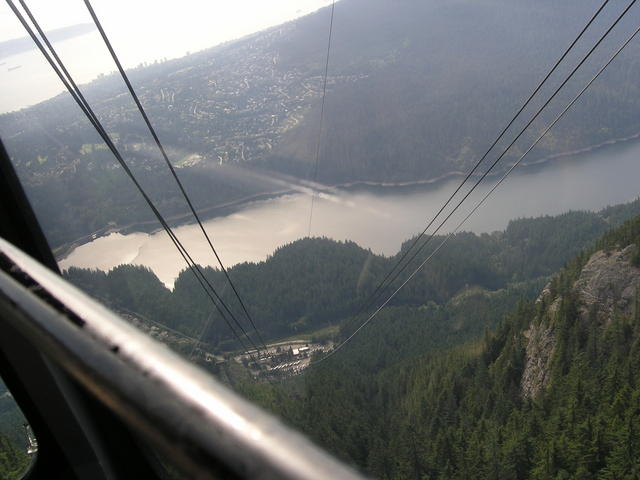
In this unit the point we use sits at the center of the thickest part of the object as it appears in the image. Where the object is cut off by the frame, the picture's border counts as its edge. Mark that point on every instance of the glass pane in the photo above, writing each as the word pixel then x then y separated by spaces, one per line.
pixel 314 170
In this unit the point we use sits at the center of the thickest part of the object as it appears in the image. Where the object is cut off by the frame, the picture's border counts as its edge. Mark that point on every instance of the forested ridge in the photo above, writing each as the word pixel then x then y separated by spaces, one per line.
pixel 434 387
pixel 315 282
pixel 552 393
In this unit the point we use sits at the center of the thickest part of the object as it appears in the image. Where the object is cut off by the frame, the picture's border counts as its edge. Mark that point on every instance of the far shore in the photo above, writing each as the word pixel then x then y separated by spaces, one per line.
pixel 227 208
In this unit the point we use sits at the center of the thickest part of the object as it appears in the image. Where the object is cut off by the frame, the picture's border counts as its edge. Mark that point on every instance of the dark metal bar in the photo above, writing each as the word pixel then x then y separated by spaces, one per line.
pixel 77 436
pixel 181 410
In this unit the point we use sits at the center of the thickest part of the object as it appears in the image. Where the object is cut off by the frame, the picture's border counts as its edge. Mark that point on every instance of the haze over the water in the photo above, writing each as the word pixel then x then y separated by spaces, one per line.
pixel 379 219
pixel 141 31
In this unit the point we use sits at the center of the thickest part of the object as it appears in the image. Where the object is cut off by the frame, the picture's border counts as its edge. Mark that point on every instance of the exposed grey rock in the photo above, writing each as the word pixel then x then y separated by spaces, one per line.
pixel 540 347
pixel 546 293
pixel 608 283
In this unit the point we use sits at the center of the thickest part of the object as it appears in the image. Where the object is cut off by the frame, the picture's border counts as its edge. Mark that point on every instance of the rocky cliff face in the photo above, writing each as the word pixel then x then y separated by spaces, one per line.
pixel 540 348
pixel 607 285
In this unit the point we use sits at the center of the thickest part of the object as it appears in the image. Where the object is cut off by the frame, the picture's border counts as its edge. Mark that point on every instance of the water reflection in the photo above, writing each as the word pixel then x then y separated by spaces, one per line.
pixel 375 217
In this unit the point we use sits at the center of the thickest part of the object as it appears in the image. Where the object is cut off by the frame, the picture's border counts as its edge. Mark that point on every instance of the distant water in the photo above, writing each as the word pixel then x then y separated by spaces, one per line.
pixel 34 81
pixel 170 32
pixel 379 218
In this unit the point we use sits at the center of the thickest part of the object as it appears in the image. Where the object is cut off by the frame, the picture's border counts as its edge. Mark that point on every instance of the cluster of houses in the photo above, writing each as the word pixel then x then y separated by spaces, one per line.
pixel 285 359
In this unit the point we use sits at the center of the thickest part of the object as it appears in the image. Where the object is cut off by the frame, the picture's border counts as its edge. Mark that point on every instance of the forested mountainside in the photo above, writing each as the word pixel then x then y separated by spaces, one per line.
pixel 416 90
pixel 11 420
pixel 552 393
pixel 13 459
pixel 13 462
pixel 466 376
pixel 313 283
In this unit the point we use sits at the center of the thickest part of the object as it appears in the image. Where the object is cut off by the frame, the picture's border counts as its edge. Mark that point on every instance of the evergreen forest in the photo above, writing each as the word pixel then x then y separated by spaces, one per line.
pixel 443 384
pixel 471 410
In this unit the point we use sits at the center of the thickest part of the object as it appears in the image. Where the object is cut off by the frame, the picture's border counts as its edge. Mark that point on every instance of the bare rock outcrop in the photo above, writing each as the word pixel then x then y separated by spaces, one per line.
pixel 540 346
pixel 607 284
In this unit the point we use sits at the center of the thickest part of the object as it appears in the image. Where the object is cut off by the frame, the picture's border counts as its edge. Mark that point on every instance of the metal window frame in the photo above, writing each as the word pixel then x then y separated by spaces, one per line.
pixel 78 437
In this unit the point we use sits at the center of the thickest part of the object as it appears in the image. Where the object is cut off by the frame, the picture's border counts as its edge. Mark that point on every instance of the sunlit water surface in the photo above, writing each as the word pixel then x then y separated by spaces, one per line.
pixel 375 217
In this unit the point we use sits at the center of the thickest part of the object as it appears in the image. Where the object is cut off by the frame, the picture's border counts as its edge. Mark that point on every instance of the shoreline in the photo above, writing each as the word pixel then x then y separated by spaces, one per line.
pixel 232 206
pixel 456 174
pixel 63 251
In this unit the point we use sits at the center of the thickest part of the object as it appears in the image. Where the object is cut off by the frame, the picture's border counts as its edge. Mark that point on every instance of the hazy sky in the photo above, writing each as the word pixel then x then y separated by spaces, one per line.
pixel 140 31
pixel 202 22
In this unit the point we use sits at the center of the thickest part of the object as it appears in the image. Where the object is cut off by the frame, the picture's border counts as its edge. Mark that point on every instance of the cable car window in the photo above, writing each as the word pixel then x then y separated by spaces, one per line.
pixel 356 212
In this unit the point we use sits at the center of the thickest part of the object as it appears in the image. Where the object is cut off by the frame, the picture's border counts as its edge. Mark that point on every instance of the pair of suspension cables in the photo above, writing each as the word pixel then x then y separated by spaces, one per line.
pixel 63 74
pixel 417 245
pixel 414 249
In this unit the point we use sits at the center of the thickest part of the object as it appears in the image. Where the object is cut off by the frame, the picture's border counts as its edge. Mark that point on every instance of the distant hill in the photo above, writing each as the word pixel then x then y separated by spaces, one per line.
pixel 315 282
pixel 439 80
pixel 416 89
